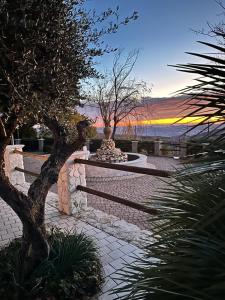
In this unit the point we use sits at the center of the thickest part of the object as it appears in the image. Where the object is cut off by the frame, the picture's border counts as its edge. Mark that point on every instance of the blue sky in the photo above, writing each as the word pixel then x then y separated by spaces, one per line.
pixel 163 33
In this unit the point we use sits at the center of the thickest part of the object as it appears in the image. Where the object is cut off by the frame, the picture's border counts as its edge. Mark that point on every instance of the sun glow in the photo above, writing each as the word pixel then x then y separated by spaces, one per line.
pixel 165 121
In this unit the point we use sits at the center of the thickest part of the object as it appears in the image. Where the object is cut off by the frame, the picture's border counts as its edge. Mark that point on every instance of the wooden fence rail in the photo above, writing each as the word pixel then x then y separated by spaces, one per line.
pixel 26 172
pixel 29 154
pixel 140 170
pixel 119 200
pixel 132 169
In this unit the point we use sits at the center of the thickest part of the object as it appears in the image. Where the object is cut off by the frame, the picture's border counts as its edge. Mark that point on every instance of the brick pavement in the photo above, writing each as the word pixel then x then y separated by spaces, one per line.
pixel 114 253
pixel 135 189
pixel 138 189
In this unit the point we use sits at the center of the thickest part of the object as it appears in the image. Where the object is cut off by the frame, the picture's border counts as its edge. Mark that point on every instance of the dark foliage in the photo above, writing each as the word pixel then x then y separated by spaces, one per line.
pixel 46 48
pixel 186 261
pixel 72 270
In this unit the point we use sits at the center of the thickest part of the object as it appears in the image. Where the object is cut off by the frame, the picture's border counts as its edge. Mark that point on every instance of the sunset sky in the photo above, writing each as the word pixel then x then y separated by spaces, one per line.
pixel 156 111
pixel 163 32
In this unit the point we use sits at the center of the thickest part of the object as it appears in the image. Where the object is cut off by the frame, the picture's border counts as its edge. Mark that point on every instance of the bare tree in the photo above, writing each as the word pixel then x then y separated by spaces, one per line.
pixel 117 94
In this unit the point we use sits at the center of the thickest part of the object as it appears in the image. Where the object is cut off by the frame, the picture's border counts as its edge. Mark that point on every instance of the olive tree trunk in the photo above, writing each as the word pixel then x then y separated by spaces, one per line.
pixel 114 130
pixel 31 208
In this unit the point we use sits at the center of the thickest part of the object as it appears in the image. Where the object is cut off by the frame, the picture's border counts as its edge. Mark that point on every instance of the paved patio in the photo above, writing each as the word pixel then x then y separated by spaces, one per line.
pixel 138 189
pixel 114 253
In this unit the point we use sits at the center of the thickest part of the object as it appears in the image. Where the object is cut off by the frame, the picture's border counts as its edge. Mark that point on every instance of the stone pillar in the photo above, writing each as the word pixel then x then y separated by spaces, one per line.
pixel 134 146
pixel 17 141
pixel 183 149
pixel 88 144
pixel 13 160
pixel 40 145
pixel 71 175
pixel 87 152
pixel 157 148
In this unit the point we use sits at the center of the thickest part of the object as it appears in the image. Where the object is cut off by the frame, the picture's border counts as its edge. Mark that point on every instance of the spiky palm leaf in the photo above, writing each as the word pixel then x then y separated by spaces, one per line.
pixel 207 97
pixel 187 259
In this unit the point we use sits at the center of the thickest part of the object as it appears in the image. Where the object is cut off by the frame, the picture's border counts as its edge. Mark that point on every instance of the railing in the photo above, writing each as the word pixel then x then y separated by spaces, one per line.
pixel 29 154
pixel 119 200
pixel 27 172
pixel 139 170
pixel 132 169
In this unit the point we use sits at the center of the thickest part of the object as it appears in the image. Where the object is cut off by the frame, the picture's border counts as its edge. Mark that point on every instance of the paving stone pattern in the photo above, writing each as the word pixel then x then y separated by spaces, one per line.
pixel 114 253
pixel 138 189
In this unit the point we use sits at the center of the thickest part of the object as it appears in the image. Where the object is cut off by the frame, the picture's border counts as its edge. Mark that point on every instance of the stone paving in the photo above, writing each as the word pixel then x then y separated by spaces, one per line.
pixel 114 253
pixel 138 189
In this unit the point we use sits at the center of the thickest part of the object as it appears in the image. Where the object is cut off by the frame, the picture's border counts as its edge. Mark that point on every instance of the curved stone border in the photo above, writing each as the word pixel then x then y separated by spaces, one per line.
pixel 116 227
pixel 110 224
pixel 125 177
pixel 101 174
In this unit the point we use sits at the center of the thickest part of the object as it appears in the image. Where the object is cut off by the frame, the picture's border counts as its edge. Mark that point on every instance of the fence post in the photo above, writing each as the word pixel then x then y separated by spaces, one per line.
pixel 17 141
pixel 183 149
pixel 13 160
pixel 157 148
pixel 71 175
pixel 134 146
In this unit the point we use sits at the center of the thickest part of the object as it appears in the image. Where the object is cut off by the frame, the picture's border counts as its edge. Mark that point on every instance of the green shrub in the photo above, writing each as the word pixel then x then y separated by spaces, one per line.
pixel 95 144
pixel 48 145
pixel 72 271
pixel 146 147
pixel 27 132
pixel 187 259
pixel 30 144
pixel 124 145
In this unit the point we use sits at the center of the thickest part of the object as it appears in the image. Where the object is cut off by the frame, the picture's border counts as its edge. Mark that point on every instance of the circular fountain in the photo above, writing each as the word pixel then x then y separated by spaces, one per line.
pixel 110 154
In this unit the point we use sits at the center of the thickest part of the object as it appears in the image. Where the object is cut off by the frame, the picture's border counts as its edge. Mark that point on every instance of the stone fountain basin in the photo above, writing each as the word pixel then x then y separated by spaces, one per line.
pixel 102 174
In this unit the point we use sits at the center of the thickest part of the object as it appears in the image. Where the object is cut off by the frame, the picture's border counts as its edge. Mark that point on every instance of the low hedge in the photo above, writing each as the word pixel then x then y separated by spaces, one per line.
pixel 125 145
pixel 146 147
pixel 31 145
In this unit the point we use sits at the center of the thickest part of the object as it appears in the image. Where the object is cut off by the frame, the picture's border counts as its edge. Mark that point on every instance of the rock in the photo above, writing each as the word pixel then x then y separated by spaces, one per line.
pixel 108 152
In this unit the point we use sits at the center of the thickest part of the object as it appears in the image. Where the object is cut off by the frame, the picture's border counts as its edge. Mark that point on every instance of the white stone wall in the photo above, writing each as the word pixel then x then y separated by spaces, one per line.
pixel 158 148
pixel 71 175
pixel 96 173
pixel 13 160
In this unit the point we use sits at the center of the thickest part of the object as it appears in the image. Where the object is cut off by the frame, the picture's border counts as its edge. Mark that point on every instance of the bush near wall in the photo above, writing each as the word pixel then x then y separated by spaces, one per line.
pixel 31 145
pixel 146 147
pixel 193 148
pixel 95 144
pixel 48 145
pixel 124 145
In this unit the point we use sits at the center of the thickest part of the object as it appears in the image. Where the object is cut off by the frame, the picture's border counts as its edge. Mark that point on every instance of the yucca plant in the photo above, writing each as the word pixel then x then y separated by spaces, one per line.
pixel 187 259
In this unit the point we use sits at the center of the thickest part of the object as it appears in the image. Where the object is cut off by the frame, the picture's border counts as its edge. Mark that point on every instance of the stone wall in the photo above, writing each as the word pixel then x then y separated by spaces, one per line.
pixel 72 175
pixel 13 160
pixel 102 174
pixel 70 199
